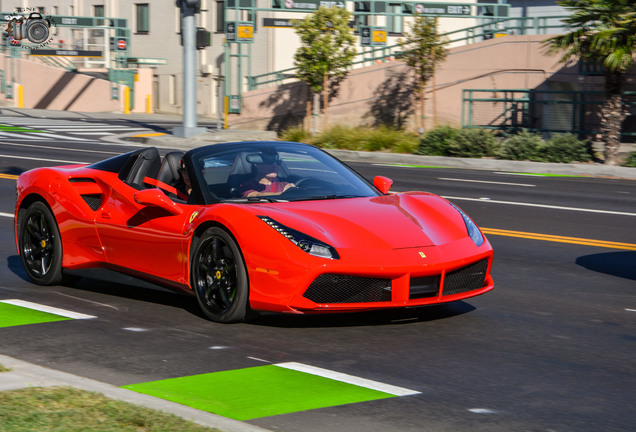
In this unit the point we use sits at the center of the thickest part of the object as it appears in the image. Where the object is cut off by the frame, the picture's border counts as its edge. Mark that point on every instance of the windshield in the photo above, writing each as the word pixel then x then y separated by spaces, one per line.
pixel 273 171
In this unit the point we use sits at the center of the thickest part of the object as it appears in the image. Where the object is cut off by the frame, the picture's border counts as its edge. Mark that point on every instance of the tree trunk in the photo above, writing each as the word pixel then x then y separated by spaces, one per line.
pixel 422 127
pixel 434 102
pixel 325 95
pixel 308 111
pixel 612 115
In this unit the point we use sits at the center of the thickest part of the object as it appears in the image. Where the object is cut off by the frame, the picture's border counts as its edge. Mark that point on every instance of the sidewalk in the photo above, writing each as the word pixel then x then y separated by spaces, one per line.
pixel 229 135
pixel 23 375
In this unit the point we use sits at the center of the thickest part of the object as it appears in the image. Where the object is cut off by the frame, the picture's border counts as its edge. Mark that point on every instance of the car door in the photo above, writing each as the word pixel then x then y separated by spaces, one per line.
pixel 143 238
pixel 140 228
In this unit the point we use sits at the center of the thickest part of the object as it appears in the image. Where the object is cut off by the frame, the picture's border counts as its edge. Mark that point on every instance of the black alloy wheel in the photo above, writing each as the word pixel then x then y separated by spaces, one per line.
pixel 40 244
pixel 219 277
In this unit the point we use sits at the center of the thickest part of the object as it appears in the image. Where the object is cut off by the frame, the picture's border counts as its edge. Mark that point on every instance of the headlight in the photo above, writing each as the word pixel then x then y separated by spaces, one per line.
pixel 305 242
pixel 473 231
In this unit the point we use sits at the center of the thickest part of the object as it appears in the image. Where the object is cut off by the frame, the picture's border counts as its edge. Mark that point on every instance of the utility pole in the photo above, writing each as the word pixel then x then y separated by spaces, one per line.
pixel 188 31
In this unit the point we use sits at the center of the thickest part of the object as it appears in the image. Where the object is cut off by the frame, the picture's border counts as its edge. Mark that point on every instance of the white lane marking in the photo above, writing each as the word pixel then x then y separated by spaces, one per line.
pixel 48 309
pixel 23 135
pixel 555 207
pixel 630 310
pixel 349 379
pixel 135 329
pixel 60 148
pixel 9 215
pixel 482 411
pixel 56 136
pixel 487 182
pixel 92 133
pixel 43 159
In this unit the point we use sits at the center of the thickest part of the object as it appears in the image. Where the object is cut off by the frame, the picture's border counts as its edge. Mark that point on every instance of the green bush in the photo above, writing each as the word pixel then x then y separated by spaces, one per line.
pixel 296 134
pixel 340 137
pixel 522 146
pixel 385 138
pixel 474 143
pixel 631 160
pixel 565 149
pixel 436 141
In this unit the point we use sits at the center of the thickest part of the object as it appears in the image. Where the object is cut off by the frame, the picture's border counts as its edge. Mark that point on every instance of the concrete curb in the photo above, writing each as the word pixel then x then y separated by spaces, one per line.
pixel 23 375
pixel 212 137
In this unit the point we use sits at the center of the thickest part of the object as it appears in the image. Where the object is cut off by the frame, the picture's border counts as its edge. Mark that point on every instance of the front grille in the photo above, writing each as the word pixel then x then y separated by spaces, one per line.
pixel 334 288
pixel 466 278
pixel 423 287
pixel 93 201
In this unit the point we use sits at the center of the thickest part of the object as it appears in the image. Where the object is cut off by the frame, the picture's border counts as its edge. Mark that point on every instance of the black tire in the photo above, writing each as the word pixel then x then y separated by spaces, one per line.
pixel 37 31
pixel 219 277
pixel 40 244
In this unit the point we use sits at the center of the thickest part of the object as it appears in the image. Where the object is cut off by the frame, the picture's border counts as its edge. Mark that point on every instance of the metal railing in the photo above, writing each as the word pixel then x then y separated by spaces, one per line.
pixel 370 55
pixel 542 111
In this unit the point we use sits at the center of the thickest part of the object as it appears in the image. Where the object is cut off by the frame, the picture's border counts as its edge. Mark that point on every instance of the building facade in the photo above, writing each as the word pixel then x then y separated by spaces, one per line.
pixel 228 68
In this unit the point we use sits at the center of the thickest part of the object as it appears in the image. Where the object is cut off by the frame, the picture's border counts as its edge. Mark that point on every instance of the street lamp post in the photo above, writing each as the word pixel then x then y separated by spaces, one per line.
pixel 189 126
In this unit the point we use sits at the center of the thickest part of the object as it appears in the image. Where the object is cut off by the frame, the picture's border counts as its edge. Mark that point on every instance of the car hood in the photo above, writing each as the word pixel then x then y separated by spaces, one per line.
pixel 394 221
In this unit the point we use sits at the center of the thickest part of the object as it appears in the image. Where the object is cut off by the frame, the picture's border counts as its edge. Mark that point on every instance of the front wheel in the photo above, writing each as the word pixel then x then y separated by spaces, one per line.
pixel 40 244
pixel 219 277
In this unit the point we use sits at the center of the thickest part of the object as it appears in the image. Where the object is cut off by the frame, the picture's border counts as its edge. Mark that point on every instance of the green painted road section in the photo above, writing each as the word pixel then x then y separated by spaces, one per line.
pixel 11 315
pixel 6 128
pixel 261 391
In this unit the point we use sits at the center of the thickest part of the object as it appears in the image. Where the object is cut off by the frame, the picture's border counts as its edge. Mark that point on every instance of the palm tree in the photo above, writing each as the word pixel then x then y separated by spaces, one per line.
pixel 602 32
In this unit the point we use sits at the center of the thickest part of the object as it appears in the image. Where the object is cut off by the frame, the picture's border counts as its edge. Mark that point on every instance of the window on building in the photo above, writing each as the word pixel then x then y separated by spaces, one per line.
pixel 394 23
pixel 98 10
pixel 172 89
pixel 142 18
pixel 220 17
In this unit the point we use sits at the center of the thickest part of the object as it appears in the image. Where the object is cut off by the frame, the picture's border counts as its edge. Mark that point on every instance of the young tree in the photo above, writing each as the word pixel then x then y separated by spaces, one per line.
pixel 602 32
pixel 326 53
pixel 424 48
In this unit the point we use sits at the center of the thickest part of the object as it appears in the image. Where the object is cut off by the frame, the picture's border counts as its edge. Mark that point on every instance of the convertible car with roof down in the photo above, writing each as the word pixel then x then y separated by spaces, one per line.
pixel 251 226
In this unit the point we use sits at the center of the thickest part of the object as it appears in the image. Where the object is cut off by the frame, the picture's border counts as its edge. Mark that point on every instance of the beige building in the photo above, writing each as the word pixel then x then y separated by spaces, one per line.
pixel 154 37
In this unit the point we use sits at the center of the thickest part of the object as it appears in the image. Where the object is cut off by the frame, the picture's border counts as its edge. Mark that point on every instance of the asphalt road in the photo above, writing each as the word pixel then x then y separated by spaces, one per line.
pixel 551 348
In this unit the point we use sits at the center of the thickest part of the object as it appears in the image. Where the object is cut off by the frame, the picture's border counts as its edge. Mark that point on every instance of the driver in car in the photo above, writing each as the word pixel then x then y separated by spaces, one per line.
pixel 266 180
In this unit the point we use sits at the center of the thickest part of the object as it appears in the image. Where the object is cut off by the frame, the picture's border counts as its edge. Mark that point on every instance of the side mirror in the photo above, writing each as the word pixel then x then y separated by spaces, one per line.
pixel 383 184
pixel 155 197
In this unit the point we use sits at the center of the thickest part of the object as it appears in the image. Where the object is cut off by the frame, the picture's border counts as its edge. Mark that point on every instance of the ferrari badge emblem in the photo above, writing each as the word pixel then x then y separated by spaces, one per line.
pixel 422 255
pixel 193 215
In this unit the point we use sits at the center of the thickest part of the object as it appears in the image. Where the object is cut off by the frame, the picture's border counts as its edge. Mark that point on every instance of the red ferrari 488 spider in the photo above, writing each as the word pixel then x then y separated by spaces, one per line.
pixel 251 226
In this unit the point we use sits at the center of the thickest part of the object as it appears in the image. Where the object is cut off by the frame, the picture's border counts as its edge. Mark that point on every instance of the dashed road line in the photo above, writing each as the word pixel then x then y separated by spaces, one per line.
pixel 349 379
pixel 47 309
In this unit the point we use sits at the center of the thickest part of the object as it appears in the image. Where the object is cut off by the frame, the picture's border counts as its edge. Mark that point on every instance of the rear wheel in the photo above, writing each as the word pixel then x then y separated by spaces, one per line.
pixel 40 244
pixel 219 277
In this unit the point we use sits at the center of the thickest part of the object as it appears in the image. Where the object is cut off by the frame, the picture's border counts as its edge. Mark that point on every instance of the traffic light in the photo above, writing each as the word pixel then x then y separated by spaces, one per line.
pixel 192 4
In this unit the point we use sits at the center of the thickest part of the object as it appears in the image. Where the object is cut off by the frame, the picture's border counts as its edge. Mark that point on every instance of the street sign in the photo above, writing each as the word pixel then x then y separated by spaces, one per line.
pixel 373 36
pixel 230 32
pixel 146 61
pixel 365 36
pixel 65 53
pixel 307 5
pixel 245 32
pixel 121 44
pixel 239 31
pixel 452 9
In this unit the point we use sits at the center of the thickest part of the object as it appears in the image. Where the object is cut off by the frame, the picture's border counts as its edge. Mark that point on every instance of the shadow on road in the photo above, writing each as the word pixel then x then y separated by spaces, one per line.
pixel 371 318
pixel 621 264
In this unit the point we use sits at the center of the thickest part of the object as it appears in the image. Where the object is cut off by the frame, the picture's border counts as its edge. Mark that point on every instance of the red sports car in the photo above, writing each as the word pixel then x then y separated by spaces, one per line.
pixel 251 226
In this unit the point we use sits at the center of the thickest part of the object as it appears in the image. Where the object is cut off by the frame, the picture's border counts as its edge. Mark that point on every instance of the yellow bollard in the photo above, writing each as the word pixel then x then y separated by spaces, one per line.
pixel 20 98
pixel 148 104
pixel 126 100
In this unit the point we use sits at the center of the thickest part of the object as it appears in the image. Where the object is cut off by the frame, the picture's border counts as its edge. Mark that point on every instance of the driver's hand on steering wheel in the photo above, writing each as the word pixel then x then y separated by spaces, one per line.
pixel 289 185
